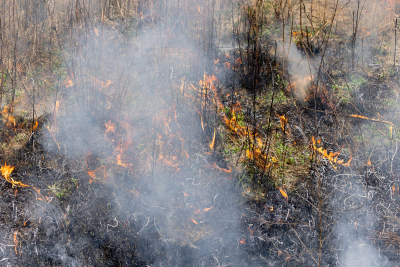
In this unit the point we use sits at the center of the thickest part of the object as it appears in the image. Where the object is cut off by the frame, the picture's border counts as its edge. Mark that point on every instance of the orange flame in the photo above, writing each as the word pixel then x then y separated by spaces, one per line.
pixel 243 241
pixel 213 141
pixel 35 125
pixel 283 192
pixel 68 82
pixel 8 109
pixel 332 157
pixel 376 120
pixel 214 165
pixel 299 85
pixel 16 242
pixel 6 171
pixel 193 221
pixel 10 121
pixel 92 175
pixel 283 121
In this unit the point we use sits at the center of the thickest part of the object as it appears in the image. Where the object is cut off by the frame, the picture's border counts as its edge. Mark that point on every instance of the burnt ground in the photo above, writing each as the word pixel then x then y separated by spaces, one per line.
pixel 145 187
pixel 193 214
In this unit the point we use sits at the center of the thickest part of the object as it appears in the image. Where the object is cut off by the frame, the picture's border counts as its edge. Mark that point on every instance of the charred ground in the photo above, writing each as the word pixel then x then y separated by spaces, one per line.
pixel 199 133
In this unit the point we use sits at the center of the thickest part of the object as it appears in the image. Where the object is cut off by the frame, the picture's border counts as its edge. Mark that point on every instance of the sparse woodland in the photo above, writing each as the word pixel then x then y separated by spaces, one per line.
pixel 199 133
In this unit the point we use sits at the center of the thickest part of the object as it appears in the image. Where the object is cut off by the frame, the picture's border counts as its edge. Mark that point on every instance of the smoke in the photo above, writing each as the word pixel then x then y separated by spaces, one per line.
pixel 357 221
pixel 300 69
pixel 181 208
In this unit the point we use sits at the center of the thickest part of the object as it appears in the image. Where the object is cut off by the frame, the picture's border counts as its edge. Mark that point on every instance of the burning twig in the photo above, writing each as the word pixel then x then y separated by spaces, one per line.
pixel 16 241
pixel 332 157
pixel 283 193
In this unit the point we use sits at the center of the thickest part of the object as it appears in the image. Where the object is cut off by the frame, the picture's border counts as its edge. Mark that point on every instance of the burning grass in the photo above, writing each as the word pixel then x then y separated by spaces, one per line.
pixel 138 160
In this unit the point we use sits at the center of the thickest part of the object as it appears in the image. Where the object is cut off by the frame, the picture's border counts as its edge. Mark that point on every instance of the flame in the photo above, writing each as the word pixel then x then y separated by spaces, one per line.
pixel 355 224
pixel 68 82
pixel 35 125
pixel 207 209
pixel 185 194
pixel 16 242
pixel 284 122
pixel 6 171
pixel 214 165
pixel 92 175
pixel 243 241
pixel 332 157
pixel 11 121
pixel 201 119
pixel 213 141
pixel 299 85
pixel 193 221
pixel 195 210
pixel 283 192
pixel 110 129
pixel 41 197
pixel 376 120
pixel 8 109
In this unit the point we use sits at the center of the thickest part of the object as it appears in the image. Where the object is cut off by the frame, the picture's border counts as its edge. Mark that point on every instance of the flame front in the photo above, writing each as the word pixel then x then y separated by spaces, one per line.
pixel 332 157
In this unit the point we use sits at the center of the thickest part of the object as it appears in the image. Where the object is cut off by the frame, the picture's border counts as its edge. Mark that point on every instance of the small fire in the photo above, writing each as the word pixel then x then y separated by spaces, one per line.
pixel 355 224
pixel 16 242
pixel 243 241
pixel 221 169
pixel 207 209
pixel 35 125
pixel 193 221
pixel 284 122
pixel 8 109
pixel 332 157
pixel 283 192
pixel 213 141
pixel 68 82
pixel 201 119
pixel 299 86
pixel 92 175
pixel 41 197
pixel 376 120
pixel 6 171
pixel 11 121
